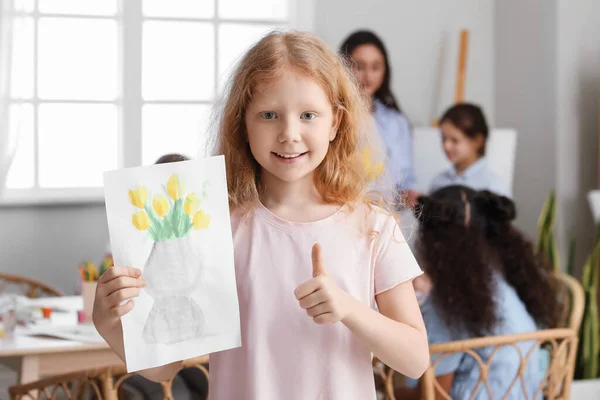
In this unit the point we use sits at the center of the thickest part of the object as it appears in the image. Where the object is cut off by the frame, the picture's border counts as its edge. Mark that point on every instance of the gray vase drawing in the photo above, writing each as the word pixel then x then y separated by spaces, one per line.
pixel 172 272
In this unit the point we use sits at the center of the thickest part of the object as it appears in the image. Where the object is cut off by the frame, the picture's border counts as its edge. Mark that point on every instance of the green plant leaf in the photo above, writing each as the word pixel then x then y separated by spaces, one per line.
pixel 571 258
pixel 546 220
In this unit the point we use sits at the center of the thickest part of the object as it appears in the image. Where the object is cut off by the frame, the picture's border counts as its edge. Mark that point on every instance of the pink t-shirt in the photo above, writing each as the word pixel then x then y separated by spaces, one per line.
pixel 284 354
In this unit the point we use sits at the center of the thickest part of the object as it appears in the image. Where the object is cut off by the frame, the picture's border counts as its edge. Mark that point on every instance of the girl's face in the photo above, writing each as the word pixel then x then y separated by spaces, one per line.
pixel 369 69
pixel 460 149
pixel 289 125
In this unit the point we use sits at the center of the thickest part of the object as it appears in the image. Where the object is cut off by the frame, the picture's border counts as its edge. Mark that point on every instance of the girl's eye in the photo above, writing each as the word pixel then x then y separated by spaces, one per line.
pixel 269 115
pixel 309 115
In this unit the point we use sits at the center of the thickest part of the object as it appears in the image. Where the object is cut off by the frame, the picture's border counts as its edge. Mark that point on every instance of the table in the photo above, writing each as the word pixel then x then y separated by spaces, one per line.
pixel 36 357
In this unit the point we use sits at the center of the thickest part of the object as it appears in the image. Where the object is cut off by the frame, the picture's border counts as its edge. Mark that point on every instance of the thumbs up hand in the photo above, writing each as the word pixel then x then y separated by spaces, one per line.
pixel 320 296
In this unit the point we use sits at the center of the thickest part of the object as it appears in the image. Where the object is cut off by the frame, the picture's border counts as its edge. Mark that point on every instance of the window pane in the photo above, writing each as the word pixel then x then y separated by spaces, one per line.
pixel 234 41
pixel 173 129
pixel 21 173
pixel 266 10
pixel 22 62
pixel 77 59
pixel 178 61
pixel 179 8
pixel 23 5
pixel 77 143
pixel 85 7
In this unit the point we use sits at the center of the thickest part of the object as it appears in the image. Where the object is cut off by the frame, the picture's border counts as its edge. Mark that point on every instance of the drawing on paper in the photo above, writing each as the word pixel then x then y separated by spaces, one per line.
pixel 174 267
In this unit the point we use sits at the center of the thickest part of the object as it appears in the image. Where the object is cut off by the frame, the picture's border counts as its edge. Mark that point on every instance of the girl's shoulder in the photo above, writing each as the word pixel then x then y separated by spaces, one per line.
pixel 375 219
pixel 239 216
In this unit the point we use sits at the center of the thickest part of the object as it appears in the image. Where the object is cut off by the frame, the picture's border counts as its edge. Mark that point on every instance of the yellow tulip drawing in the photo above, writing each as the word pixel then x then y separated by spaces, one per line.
pixel 201 220
pixel 374 170
pixel 140 220
pixel 138 196
pixel 192 202
pixel 175 187
pixel 171 215
pixel 160 205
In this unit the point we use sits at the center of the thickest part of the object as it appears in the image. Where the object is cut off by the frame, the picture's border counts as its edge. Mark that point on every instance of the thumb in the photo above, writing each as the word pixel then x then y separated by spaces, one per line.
pixel 317 261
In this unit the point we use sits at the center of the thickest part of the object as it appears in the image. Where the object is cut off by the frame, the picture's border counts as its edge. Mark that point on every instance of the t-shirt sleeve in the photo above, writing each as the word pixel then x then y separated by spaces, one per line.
pixel 394 261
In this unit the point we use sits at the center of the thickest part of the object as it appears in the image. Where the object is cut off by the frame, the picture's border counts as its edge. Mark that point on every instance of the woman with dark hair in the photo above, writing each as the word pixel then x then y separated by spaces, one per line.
pixel 369 60
pixel 485 279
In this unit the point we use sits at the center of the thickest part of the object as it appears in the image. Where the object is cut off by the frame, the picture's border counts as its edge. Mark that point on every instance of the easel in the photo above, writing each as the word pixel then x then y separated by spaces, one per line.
pixel 461 73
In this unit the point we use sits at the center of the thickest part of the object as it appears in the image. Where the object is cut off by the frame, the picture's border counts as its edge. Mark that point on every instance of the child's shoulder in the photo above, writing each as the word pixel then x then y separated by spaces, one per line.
pixel 441 179
pixel 238 216
pixel 374 218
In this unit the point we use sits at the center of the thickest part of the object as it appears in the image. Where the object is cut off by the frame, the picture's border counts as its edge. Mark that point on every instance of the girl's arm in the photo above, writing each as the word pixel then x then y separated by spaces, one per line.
pixel 396 336
pixel 115 286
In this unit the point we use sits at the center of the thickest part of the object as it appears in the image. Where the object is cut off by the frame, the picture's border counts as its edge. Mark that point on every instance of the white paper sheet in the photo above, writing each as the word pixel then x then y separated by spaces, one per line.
pixel 190 306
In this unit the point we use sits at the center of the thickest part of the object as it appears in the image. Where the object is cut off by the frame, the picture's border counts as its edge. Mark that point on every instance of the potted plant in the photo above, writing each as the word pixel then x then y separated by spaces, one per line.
pixel 586 383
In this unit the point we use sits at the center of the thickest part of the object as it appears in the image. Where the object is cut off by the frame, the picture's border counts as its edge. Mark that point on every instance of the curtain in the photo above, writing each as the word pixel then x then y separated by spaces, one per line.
pixel 8 135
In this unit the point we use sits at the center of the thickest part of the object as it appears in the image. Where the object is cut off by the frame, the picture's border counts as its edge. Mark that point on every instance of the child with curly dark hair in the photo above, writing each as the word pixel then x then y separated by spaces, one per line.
pixel 484 279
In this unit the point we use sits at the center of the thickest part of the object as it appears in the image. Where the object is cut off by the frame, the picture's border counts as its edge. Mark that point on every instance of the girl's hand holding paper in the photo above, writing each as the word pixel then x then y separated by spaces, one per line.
pixel 114 293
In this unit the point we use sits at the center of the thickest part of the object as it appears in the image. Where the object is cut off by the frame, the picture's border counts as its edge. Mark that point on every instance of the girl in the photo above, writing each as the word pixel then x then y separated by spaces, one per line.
pixel 485 280
pixel 372 70
pixel 464 134
pixel 313 255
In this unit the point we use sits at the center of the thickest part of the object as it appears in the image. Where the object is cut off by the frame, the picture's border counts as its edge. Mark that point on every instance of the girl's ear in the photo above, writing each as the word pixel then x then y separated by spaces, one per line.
pixel 479 140
pixel 337 119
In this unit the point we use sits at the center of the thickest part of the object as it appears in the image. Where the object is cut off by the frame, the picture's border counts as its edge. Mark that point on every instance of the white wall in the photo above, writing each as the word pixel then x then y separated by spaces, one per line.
pixel 525 98
pixel 422 39
pixel 48 242
pixel 547 87
pixel 578 78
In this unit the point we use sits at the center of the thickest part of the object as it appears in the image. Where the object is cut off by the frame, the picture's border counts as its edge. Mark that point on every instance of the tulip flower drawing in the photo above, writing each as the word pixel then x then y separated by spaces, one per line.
pixel 160 205
pixel 138 196
pixel 175 187
pixel 140 220
pixel 201 220
pixel 173 269
pixel 171 215
pixel 192 202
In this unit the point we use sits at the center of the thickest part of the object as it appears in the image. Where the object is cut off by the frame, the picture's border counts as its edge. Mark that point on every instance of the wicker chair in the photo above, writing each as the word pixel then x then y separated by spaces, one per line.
pixel 561 344
pixel 29 287
pixel 99 383
pixel 571 297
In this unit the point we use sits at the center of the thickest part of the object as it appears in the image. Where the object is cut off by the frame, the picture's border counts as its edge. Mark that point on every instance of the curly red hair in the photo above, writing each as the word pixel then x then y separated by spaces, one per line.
pixel 341 178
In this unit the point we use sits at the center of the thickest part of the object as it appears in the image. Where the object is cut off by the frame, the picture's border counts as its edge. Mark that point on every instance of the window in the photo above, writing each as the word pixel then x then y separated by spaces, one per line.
pixel 105 84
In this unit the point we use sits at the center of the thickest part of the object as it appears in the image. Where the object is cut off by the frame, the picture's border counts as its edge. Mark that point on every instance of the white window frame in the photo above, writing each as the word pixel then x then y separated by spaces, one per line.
pixel 130 103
